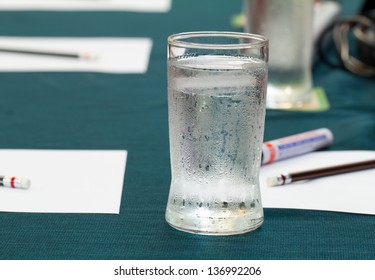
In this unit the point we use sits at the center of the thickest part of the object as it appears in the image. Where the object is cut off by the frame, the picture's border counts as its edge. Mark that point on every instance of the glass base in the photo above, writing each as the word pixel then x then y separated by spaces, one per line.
pixel 287 97
pixel 218 226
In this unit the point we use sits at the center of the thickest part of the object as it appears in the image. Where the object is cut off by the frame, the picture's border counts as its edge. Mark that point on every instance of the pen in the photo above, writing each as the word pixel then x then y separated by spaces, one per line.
pixel 296 145
pixel 84 56
pixel 288 178
pixel 14 182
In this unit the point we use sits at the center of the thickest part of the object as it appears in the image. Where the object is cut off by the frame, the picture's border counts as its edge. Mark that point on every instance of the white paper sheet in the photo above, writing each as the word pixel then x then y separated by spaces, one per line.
pixel 64 181
pixel 108 55
pixel 351 192
pixel 82 5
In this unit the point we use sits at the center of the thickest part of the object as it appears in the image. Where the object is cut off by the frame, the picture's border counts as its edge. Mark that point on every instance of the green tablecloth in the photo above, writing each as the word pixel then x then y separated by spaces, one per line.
pixel 104 111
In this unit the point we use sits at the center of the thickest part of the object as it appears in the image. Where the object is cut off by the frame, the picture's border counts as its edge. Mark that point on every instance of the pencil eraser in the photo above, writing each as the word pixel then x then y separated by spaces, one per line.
pixel 24 183
pixel 272 181
pixel 89 56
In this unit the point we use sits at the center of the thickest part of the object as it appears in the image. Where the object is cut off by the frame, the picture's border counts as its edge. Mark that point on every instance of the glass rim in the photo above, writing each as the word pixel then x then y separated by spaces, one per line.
pixel 177 40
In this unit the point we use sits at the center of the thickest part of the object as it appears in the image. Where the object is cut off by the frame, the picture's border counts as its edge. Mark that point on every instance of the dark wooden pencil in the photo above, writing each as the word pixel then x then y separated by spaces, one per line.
pixel 287 178
pixel 43 53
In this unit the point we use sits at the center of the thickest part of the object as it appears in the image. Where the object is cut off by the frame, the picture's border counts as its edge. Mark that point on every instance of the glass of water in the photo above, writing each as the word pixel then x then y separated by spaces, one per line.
pixel 288 24
pixel 217 84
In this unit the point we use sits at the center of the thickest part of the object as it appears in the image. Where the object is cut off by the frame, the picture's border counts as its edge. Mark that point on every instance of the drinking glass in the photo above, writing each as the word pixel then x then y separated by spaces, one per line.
pixel 288 24
pixel 217 85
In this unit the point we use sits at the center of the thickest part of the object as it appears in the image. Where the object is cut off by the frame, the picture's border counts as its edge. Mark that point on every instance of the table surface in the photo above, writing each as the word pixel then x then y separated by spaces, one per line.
pixel 129 112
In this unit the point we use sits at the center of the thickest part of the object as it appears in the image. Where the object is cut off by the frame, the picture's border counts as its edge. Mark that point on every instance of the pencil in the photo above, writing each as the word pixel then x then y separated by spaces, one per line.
pixel 288 178
pixel 85 56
